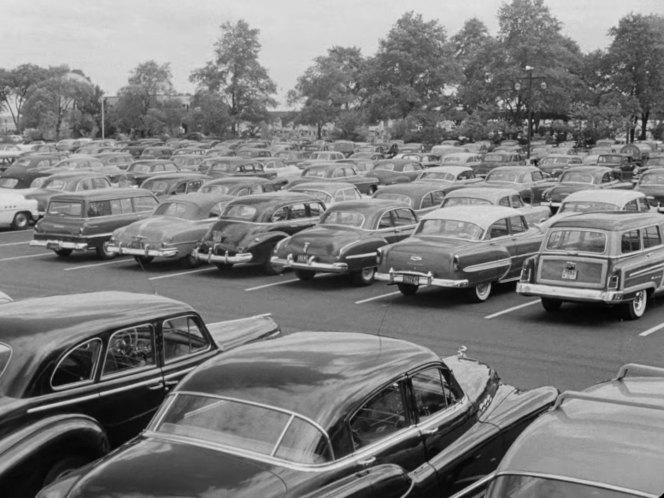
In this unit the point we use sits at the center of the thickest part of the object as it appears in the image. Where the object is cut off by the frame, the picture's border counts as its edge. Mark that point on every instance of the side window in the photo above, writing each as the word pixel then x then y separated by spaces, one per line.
pixel 630 241
pixel 606 178
pixel 498 229
pixel 385 221
pixel 100 183
pixel 116 206
pixel 516 201
pixel 77 366
pixel 504 201
pixel 182 336
pixel 158 167
pixel 537 176
pixel 181 188
pixel 145 203
pixel 427 201
pixel 631 206
pixel 298 211
pixel 438 197
pixel 126 205
pixel 130 349
pixel 244 191
pixel 316 209
pixel 432 392
pixel 338 173
pixel 404 217
pixel 381 416
pixel 280 214
pixel 518 224
pixel 99 208
pixel 644 207
pixel 169 167
pixel 651 237
pixel 256 189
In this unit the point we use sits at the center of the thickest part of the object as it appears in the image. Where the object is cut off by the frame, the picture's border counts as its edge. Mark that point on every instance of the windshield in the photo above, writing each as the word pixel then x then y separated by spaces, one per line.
pixel 140 168
pixel 157 186
pixel 8 182
pixel 66 208
pixel 315 172
pixel 584 206
pixel 450 228
pixel 576 177
pixel 574 240
pixel 653 178
pixel 246 426
pixel 608 159
pixel 346 218
pixel 385 166
pixel 465 201
pixel 240 212
pixel 317 194
pixel 402 198
pixel 225 167
pixel 520 486
pixel 494 158
pixel 59 184
pixel 183 210
pixel 502 176
pixel 553 160
pixel 220 189
pixel 433 175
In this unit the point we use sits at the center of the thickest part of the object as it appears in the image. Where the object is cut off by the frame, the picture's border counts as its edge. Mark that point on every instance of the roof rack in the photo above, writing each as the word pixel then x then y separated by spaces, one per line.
pixel 637 369
pixel 601 399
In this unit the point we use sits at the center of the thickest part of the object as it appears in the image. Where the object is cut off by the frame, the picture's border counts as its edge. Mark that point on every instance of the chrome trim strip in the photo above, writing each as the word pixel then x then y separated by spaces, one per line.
pixel 365 255
pixel 281 436
pixel 488 265
pixel 130 387
pixel 645 270
pixel 58 404
pixel 182 372
pixel 94 369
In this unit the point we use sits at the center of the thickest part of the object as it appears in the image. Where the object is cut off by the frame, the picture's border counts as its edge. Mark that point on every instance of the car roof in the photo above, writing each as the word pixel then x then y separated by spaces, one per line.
pixel 479 215
pixel 417 187
pixel 454 170
pixel 324 186
pixel 616 196
pixel 614 220
pixel 320 375
pixel 233 180
pixel 587 169
pixel 273 198
pixel 488 193
pixel 369 205
pixel 598 440
pixel 177 175
pixel 103 194
pixel 199 198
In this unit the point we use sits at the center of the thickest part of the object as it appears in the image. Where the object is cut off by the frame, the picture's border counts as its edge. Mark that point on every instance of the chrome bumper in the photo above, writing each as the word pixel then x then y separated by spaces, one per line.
pixel 422 279
pixel 210 257
pixel 310 264
pixel 60 244
pixel 143 251
pixel 570 293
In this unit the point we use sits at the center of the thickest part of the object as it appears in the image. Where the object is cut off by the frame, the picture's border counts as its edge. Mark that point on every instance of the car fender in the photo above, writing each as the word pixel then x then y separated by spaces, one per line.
pixel 230 334
pixel 78 431
pixel 377 481
pixel 364 246
pixel 264 238
pixel 484 263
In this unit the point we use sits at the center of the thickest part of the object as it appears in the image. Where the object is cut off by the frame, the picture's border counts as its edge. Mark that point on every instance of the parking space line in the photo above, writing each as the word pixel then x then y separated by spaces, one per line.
pixel 509 310
pixel 375 298
pixel 25 243
pixel 651 330
pixel 71 268
pixel 25 257
pixel 182 273
pixel 271 285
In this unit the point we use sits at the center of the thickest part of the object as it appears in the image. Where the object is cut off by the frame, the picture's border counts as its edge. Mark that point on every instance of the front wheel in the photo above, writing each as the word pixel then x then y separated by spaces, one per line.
pixel 407 289
pixel 143 260
pixel 103 252
pixel 305 274
pixel 363 277
pixel 635 308
pixel 480 293
pixel 21 221
pixel 551 305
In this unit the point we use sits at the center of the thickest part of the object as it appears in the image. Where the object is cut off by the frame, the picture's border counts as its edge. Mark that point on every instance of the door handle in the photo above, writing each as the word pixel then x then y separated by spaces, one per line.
pixel 156 387
pixel 428 432
pixel 172 383
pixel 367 461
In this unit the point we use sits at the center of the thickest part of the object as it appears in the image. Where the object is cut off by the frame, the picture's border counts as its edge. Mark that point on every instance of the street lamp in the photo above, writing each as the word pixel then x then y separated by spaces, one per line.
pixel 529 104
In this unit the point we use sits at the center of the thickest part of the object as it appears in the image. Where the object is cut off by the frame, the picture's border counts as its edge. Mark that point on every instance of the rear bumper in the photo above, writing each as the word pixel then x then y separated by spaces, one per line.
pixel 55 244
pixel 310 264
pixel 572 294
pixel 227 259
pixel 169 252
pixel 420 279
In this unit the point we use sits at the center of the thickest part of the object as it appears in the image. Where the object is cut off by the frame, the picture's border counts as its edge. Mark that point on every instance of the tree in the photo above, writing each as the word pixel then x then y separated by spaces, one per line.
pixel 637 62
pixel 329 87
pixel 236 74
pixel 412 70
pixel 15 86
pixel 209 114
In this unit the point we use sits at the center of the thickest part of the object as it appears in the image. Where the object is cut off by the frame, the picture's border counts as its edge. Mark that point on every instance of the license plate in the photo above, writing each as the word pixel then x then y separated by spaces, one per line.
pixel 216 236
pixel 569 274
pixel 411 279
pixel 301 258
pixel 136 244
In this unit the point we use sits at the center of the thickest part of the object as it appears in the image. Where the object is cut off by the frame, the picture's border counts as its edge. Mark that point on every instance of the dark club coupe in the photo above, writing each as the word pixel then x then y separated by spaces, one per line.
pixel 336 172
pixel 251 226
pixel 346 239
pixel 82 373
pixel 464 247
pixel 312 412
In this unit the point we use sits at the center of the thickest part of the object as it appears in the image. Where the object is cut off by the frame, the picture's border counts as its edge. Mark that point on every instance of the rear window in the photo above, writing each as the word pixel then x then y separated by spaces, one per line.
pixel 5 355
pixel 402 198
pixel 523 486
pixel 8 182
pixel 182 210
pixel 450 228
pixel 574 240
pixel 240 212
pixel 465 201
pixel 346 218
pixel 66 208
pixel 220 189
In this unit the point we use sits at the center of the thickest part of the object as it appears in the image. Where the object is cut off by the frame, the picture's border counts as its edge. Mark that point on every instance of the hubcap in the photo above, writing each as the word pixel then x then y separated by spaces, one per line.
pixel 639 302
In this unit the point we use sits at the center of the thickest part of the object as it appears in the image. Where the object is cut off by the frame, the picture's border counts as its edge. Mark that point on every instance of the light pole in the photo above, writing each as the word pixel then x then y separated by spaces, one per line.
pixel 529 103
pixel 103 129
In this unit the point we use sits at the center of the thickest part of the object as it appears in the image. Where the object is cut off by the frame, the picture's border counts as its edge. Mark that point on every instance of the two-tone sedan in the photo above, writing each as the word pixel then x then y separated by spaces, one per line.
pixel 390 171
pixel 464 247
pixel 251 226
pixel 346 239
pixel 455 176
pixel 172 231
pixel 421 197
pixel 530 181
pixel 329 192
pixel 314 414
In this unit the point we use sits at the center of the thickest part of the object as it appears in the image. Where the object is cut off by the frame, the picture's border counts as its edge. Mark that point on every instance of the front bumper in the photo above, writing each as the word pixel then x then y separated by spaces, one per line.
pixel 572 294
pixel 169 252
pixel 55 244
pixel 420 279
pixel 226 258
pixel 310 264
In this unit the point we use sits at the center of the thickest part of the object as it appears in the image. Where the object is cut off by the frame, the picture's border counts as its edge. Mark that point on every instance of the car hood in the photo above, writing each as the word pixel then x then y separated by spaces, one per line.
pixel 153 229
pixel 150 467
pixel 321 240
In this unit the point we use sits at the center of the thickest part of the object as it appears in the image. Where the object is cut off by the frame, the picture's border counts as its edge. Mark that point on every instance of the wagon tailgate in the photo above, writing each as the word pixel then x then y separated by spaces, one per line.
pixel 233 333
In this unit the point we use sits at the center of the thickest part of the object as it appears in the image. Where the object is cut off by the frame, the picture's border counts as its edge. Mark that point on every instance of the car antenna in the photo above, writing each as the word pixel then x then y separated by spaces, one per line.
pixel 140 263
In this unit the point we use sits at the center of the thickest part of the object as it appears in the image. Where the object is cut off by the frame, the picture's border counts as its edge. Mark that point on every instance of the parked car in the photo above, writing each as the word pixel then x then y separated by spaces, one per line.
pixel 303 414
pixel 238 185
pixel 43 188
pixel 172 231
pixel 498 158
pixel 182 182
pixel 336 172
pixel 612 258
pixel 507 197
pixel 326 155
pixel 588 435
pixel 16 211
pixel 469 159
pixel 21 179
pixel 389 171
pixel 464 247
pixel 188 162
pixel 421 197
pixel 141 170
pixel 555 164
pixel 530 181
pixel 221 167
pixel 81 221
pixel 622 165
pixel 454 177
pixel 582 178
pixel 120 160
pixel 589 201
pixel 329 192
pixel 8 154
pixel 32 162
pixel 83 373
pixel 346 239
pixel 651 183
pixel 156 152
pixel 251 226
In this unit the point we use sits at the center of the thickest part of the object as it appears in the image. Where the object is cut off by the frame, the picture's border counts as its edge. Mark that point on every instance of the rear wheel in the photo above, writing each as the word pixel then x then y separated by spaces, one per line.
pixel 480 293
pixel 635 308
pixel 271 269
pixel 363 277
pixel 551 305
pixel 63 253
pixel 305 274
pixel 407 289
pixel 21 221
pixel 143 260
pixel 103 252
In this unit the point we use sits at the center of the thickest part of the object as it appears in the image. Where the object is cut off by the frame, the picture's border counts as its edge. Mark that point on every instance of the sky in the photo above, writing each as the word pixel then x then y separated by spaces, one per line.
pixel 107 39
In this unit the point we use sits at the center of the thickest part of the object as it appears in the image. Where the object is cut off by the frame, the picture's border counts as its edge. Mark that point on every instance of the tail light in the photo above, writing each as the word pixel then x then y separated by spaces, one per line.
pixel 527 271
pixel 379 256
pixel 455 262
pixel 614 280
